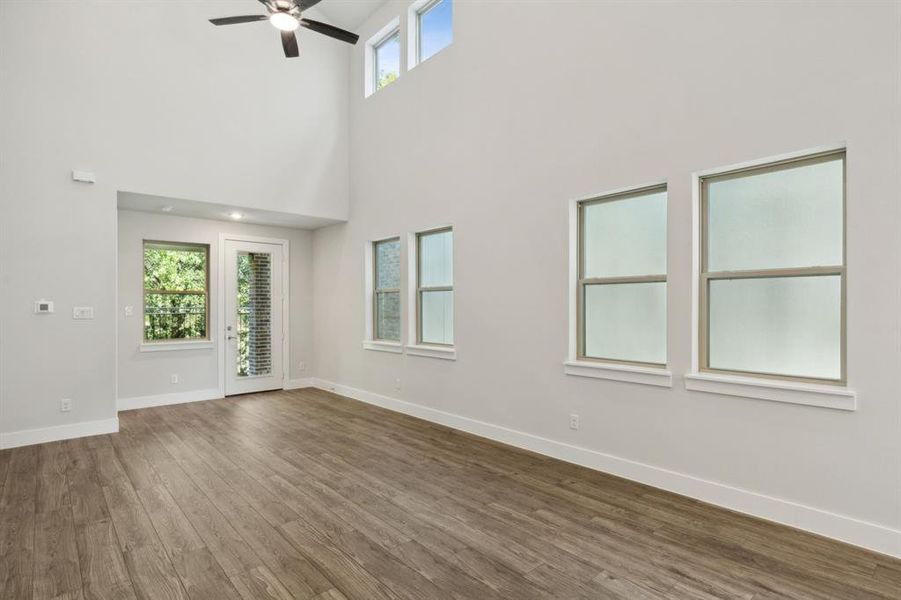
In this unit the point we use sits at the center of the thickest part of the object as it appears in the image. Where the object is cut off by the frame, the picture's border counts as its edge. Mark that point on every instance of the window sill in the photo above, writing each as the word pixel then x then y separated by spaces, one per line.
pixel 630 373
pixel 808 394
pixel 380 346
pixel 445 352
pixel 171 346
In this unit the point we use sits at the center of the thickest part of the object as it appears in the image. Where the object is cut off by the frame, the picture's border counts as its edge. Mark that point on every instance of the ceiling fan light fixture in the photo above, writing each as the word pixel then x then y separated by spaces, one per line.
pixel 284 21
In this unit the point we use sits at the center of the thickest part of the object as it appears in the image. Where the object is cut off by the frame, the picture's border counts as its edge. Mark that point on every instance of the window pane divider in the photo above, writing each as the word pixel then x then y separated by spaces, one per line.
pixel 624 279
pixel 176 292
pixel 782 272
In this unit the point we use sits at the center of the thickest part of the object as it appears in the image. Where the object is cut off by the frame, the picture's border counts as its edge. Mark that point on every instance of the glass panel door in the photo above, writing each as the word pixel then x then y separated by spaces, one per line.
pixel 253 317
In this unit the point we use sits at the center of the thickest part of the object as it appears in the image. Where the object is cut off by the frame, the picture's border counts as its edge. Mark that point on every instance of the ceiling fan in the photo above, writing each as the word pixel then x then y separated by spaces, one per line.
pixel 285 15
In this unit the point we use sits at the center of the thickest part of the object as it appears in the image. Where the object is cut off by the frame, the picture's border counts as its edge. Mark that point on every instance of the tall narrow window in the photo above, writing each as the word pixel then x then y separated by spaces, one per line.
pixel 386 290
pixel 622 277
pixel 773 270
pixel 431 28
pixel 435 287
pixel 387 60
pixel 176 291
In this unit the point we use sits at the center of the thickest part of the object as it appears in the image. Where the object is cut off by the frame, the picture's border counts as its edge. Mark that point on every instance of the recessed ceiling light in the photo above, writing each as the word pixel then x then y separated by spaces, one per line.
pixel 284 21
pixel 168 208
pixel 236 215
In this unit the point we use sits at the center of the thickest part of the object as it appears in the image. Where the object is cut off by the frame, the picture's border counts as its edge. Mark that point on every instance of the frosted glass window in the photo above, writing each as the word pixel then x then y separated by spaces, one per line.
pixel 622 277
pixel 780 325
pixel 386 292
pixel 791 216
pixel 387 61
pixel 437 318
pixel 626 236
pixel 436 259
pixel 387 264
pixel 626 322
pixel 435 28
pixel 772 300
pixel 435 287
pixel 387 321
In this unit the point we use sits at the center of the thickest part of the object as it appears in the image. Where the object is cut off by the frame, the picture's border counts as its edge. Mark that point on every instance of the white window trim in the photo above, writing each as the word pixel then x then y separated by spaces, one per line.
pixel 177 345
pixel 369 341
pixel 657 376
pixel 761 388
pixel 382 346
pixel 413 13
pixel 369 55
pixel 413 347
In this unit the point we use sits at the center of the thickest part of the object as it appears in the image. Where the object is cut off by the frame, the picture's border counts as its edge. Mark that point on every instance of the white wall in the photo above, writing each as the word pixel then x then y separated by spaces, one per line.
pixel 143 374
pixel 529 109
pixel 154 99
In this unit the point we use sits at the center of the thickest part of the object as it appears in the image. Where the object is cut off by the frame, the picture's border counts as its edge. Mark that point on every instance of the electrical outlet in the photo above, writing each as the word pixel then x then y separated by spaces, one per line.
pixel 129 311
pixel 302 366
pixel 65 405
pixel 174 378
pixel 574 421
pixel 397 384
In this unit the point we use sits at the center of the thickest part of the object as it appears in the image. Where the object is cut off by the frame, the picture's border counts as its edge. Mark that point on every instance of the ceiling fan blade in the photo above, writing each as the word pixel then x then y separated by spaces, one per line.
pixel 289 43
pixel 235 20
pixel 330 30
pixel 305 4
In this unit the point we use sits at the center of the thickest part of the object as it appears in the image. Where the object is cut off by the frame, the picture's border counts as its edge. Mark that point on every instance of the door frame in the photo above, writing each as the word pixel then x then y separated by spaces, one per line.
pixel 286 301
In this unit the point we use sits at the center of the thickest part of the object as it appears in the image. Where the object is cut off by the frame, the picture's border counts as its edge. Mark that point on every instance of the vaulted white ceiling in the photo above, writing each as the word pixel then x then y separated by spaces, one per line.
pixel 349 13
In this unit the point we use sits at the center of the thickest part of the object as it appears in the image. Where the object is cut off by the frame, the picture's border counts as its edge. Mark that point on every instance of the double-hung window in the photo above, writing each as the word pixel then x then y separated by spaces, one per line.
pixel 621 293
pixel 435 287
pixel 386 290
pixel 176 291
pixel 772 277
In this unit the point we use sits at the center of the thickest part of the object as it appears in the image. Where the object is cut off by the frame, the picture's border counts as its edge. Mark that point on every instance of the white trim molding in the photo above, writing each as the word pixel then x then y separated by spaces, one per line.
pixel 167 399
pixel 873 536
pixel 180 345
pixel 445 352
pixel 382 346
pixel 299 384
pixel 28 437
pixel 617 372
pixel 808 394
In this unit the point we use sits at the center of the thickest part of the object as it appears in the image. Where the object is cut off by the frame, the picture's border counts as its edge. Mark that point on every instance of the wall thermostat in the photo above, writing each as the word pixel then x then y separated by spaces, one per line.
pixel 43 307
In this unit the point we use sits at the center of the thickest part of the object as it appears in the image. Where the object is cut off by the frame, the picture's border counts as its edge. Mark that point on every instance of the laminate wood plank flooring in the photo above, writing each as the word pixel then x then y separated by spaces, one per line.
pixel 307 495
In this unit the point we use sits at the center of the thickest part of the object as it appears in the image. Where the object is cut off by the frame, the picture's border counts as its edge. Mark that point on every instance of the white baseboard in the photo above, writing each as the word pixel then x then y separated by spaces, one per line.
pixel 296 384
pixel 14 439
pixel 167 399
pixel 872 536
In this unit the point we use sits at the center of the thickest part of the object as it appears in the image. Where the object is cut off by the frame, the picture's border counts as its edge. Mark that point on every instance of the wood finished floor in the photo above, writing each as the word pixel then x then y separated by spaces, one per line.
pixel 305 494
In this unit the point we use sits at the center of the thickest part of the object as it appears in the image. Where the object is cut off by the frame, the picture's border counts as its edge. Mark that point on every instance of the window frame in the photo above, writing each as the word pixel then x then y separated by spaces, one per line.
pixel 371 65
pixel 414 15
pixel 376 290
pixel 705 276
pixel 583 282
pixel 419 289
pixel 205 292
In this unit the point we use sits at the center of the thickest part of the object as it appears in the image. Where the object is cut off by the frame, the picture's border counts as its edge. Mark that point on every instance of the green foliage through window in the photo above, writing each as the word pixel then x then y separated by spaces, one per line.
pixel 175 291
